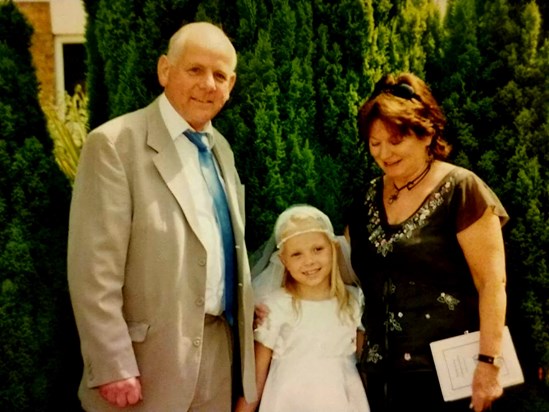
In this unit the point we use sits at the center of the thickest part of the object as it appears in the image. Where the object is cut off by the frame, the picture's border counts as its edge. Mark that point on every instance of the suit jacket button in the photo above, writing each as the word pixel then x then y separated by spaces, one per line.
pixel 202 261
pixel 196 342
pixel 199 302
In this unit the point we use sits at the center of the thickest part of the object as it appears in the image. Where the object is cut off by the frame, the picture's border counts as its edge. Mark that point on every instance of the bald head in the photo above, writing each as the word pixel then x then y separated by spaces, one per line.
pixel 203 33
pixel 198 72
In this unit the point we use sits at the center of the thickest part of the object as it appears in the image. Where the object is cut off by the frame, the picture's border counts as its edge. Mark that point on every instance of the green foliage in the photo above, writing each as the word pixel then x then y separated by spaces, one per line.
pixel 33 211
pixel 18 88
pixel 98 104
pixel 68 127
pixel 497 105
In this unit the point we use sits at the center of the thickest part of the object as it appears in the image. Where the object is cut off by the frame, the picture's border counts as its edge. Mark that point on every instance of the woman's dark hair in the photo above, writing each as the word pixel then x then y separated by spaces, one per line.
pixel 405 102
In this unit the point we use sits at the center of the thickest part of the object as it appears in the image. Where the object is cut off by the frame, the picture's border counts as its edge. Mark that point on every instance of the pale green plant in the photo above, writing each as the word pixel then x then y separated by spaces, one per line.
pixel 68 127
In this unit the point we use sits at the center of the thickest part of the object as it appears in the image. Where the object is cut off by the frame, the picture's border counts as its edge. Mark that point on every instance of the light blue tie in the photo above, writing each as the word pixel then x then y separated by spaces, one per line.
pixel 223 216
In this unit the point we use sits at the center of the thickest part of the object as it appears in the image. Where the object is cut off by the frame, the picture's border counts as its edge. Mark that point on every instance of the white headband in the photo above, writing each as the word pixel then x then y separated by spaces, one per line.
pixel 301 219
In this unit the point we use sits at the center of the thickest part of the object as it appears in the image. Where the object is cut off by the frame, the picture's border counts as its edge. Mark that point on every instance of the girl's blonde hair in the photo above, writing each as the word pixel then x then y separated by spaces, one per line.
pixel 301 219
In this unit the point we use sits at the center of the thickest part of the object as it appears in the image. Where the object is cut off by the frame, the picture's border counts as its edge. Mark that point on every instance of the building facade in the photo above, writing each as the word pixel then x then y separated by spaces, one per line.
pixel 57 45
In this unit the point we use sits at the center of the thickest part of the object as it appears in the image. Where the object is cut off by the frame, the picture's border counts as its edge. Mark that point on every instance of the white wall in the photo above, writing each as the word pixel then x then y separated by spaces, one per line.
pixel 67 17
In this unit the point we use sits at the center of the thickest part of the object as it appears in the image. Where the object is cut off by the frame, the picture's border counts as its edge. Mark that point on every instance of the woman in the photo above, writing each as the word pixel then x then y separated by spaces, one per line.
pixel 427 246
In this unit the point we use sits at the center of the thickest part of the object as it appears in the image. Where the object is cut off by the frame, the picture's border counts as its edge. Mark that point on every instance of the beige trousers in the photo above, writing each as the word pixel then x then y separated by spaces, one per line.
pixel 213 390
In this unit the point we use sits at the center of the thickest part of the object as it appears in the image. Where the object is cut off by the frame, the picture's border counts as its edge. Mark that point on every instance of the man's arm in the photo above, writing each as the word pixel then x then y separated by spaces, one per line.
pixel 99 230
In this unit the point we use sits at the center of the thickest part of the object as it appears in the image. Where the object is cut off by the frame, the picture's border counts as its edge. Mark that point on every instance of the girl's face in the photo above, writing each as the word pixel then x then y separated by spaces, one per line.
pixel 308 259
pixel 398 157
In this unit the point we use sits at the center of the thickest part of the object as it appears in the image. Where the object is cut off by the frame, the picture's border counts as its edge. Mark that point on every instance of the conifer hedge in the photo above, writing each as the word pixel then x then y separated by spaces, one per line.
pixel 496 96
pixel 35 316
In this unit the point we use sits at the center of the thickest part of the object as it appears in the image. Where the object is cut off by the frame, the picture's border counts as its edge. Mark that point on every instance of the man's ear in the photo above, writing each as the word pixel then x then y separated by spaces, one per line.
pixel 232 81
pixel 163 70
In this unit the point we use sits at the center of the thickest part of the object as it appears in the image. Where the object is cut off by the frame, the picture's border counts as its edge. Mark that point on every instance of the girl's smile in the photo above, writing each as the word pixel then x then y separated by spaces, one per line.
pixel 308 259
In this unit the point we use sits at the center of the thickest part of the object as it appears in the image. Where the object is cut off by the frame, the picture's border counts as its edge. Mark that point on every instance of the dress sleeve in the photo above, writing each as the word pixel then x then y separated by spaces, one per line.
pixel 472 197
pixel 358 305
pixel 269 331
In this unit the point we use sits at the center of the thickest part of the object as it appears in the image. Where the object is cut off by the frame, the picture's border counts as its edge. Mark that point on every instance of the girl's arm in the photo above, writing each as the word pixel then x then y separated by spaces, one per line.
pixel 262 362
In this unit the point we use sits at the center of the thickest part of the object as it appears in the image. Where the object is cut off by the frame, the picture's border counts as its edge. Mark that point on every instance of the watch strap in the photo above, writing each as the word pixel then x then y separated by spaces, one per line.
pixel 486 358
pixel 497 361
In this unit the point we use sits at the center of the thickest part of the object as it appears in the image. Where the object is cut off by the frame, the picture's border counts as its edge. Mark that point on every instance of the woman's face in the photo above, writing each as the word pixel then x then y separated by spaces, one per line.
pixel 400 157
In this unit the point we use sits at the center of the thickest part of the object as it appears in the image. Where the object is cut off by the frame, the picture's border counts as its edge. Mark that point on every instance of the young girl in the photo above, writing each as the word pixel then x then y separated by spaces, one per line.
pixel 306 346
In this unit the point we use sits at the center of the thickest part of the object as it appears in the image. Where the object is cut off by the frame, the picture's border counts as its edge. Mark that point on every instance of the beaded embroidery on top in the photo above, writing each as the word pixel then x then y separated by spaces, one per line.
pixel 378 236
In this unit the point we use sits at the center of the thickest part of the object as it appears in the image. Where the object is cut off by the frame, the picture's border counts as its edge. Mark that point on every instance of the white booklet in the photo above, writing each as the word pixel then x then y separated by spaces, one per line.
pixel 455 362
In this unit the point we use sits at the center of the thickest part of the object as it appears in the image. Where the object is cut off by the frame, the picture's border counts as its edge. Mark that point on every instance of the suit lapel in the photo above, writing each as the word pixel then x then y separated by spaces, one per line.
pixel 169 165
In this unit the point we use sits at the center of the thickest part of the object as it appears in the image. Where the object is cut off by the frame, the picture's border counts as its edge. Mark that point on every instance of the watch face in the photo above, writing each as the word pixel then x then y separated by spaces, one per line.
pixel 498 361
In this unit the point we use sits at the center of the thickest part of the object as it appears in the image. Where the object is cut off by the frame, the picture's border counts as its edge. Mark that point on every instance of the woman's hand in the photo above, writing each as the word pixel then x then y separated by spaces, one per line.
pixel 486 387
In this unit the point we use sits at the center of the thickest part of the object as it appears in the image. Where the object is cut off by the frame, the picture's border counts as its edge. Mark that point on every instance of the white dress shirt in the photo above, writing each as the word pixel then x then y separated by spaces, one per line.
pixel 210 233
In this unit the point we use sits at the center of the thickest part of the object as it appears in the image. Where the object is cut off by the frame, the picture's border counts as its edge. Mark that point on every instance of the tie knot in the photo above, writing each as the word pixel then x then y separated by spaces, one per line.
pixel 196 138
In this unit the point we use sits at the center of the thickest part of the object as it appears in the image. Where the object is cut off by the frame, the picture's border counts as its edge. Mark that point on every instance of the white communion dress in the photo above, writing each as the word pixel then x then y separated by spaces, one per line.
pixel 313 366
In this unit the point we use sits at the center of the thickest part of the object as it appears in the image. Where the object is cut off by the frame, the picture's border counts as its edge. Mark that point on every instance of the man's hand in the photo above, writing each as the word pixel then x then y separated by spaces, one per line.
pixel 122 393
pixel 261 311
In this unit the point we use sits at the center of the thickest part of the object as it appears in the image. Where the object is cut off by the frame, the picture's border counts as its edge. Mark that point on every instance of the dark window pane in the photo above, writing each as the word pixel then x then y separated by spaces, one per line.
pixel 74 55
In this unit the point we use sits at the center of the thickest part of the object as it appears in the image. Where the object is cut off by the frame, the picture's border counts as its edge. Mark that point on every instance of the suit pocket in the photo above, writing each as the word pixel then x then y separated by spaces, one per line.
pixel 138 331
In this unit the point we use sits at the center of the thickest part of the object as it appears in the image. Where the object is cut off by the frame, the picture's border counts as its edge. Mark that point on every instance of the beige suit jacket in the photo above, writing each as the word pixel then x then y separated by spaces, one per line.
pixel 137 266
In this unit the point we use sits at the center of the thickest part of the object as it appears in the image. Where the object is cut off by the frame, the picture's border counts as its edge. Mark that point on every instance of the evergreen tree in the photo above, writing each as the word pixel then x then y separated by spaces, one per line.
pixel 496 102
pixel 342 80
pixel 258 134
pixel 37 333
pixel 282 158
pixel 460 86
pixel 96 89
pixel 518 121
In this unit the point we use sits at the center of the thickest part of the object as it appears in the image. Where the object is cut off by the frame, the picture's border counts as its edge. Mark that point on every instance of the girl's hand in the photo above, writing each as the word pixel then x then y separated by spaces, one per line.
pixel 260 313
pixel 243 406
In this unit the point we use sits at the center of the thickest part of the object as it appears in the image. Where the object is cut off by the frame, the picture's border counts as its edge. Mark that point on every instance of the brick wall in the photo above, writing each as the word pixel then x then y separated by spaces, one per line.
pixel 42 48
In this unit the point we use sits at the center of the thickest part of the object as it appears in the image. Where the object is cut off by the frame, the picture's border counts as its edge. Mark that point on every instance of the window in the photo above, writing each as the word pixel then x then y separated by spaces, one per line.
pixel 74 59
pixel 70 64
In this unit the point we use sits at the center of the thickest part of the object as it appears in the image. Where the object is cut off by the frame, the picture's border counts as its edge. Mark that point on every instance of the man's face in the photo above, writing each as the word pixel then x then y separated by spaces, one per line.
pixel 198 81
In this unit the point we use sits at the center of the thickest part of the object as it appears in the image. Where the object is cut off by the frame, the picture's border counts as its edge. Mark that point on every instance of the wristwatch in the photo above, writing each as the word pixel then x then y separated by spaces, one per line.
pixel 497 361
